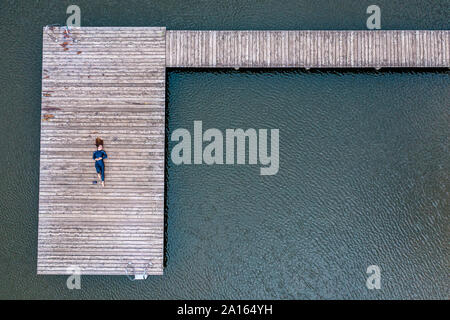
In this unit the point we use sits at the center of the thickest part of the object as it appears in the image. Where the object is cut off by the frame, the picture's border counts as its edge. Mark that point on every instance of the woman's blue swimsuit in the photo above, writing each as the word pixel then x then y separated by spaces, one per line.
pixel 99 165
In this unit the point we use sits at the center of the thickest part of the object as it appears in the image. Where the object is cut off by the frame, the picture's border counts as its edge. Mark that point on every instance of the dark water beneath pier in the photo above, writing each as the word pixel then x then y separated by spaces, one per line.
pixel 364 162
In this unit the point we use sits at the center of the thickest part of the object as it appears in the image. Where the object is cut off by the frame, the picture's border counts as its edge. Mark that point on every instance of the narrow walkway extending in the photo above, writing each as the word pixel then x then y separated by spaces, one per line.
pixel 308 49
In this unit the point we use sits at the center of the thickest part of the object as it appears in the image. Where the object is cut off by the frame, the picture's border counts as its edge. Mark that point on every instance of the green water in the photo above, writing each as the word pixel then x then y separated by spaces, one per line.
pixel 364 162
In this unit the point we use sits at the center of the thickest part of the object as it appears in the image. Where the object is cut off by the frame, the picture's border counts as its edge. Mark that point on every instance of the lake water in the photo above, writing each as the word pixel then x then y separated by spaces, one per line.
pixel 364 162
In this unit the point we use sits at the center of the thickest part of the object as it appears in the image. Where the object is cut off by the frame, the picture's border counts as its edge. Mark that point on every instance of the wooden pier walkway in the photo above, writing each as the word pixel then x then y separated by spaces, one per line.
pixel 308 49
pixel 110 82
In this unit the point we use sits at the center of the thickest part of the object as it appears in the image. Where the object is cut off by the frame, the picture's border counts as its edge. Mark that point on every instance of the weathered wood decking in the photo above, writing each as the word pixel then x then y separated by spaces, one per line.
pixel 308 49
pixel 110 82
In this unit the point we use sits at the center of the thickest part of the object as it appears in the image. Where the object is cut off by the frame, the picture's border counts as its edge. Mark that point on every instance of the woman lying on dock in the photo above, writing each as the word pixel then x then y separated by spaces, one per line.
pixel 98 157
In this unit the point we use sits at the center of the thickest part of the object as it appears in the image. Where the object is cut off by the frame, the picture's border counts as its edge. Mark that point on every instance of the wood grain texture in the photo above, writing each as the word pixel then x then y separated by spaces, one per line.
pixel 308 49
pixel 109 82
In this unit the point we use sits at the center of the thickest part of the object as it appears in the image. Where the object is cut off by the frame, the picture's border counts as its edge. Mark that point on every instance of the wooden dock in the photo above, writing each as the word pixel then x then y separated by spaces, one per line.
pixel 110 82
pixel 107 82
pixel 308 49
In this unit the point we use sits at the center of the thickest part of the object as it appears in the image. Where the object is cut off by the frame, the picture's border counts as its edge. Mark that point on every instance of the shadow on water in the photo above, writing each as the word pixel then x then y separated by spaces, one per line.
pixel 302 70
pixel 166 171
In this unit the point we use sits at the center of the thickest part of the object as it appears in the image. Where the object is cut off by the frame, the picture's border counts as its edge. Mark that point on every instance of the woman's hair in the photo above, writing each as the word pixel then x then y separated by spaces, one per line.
pixel 98 142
